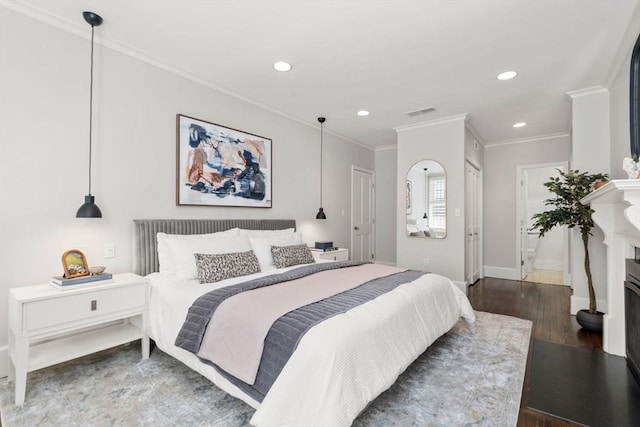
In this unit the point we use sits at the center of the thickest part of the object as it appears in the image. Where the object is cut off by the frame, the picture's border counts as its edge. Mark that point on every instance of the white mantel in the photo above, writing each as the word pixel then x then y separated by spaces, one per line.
pixel 617 213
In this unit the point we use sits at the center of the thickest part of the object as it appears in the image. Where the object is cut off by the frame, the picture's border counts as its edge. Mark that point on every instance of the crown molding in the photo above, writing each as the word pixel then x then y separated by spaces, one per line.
pixel 80 29
pixel 456 118
pixel 525 140
pixel 386 148
pixel 594 90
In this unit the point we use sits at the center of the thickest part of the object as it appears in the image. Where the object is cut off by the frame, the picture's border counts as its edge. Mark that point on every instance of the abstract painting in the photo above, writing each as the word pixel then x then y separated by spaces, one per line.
pixel 220 166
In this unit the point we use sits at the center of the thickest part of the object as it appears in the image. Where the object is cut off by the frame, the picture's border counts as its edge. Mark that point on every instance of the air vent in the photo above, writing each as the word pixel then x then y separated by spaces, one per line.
pixel 420 112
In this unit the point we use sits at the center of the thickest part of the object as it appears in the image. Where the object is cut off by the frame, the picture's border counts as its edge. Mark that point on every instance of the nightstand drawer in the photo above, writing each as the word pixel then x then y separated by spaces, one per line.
pixel 52 312
pixel 336 255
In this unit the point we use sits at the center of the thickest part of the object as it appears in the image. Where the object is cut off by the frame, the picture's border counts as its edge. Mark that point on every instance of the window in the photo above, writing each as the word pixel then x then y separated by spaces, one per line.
pixel 437 202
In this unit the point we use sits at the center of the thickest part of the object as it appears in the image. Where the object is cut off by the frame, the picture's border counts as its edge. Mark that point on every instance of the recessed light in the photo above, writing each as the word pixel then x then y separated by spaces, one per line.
pixel 363 113
pixel 507 75
pixel 519 125
pixel 282 66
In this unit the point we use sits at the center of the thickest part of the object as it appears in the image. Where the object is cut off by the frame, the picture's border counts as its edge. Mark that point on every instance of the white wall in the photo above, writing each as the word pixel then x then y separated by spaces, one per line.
pixel 386 166
pixel 619 102
pixel 591 153
pixel 501 256
pixel 442 141
pixel 44 89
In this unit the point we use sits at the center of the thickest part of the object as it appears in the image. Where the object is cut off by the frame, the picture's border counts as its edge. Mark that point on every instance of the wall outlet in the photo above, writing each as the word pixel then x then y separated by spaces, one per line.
pixel 426 262
pixel 109 250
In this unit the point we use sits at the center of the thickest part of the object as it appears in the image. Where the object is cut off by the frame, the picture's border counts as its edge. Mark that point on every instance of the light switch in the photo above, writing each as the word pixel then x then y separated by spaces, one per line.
pixel 456 212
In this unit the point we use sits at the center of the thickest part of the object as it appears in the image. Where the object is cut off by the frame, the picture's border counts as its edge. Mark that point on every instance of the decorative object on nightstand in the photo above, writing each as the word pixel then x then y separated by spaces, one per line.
pixel 321 214
pixel 324 245
pixel 74 264
pixel 47 327
pixel 89 209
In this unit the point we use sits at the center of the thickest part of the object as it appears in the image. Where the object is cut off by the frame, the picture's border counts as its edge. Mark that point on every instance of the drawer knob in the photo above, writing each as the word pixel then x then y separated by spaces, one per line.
pixel 94 305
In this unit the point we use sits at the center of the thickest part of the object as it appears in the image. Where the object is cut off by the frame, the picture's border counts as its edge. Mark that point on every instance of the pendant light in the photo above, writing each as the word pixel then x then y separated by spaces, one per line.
pixel 320 214
pixel 426 196
pixel 89 209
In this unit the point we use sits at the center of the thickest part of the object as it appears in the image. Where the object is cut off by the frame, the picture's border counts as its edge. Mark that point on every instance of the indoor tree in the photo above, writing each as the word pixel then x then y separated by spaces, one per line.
pixel 569 188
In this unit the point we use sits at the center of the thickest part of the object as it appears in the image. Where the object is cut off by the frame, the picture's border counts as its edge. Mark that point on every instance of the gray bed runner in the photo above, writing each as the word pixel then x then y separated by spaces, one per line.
pixel 286 332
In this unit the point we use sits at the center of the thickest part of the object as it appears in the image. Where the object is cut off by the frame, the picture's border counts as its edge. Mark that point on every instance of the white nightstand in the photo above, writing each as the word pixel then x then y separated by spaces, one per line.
pixel 340 254
pixel 48 326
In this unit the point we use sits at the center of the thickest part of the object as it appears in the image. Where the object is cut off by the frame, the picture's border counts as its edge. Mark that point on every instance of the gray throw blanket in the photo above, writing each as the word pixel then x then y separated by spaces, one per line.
pixel 286 332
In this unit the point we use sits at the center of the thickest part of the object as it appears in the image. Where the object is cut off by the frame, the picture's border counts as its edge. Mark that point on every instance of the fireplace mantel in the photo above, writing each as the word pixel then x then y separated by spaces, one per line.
pixel 617 213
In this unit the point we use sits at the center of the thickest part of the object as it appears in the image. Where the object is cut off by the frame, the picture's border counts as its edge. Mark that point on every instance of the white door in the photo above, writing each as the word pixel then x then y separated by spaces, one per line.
pixel 473 197
pixel 362 215
pixel 525 260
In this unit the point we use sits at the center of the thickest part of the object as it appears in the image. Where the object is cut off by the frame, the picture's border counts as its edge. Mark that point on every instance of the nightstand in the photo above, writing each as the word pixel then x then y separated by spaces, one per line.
pixel 48 325
pixel 340 254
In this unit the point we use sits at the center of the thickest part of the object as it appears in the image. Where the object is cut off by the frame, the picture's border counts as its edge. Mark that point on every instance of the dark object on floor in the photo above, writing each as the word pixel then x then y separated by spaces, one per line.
pixel 584 386
pixel 590 321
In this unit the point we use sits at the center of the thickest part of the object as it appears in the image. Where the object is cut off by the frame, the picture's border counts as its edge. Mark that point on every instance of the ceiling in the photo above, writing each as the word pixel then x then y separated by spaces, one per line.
pixel 387 57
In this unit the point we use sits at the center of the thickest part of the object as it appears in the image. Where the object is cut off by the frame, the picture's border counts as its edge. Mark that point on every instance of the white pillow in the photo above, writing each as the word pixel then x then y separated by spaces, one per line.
pixel 183 251
pixel 262 247
pixel 265 233
pixel 165 258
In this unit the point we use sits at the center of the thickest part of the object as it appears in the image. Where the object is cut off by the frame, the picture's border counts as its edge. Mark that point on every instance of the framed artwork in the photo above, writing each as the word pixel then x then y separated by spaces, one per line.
pixel 409 198
pixel 220 166
pixel 74 264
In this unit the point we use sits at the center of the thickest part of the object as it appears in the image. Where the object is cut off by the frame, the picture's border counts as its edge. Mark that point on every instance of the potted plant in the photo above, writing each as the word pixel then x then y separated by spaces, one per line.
pixel 569 188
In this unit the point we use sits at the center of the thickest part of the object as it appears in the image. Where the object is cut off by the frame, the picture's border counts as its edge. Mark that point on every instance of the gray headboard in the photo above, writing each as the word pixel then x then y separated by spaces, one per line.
pixel 145 253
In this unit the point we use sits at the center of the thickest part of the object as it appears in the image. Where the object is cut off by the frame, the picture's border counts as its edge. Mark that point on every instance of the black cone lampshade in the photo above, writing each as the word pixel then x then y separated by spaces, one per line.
pixel 89 209
pixel 321 214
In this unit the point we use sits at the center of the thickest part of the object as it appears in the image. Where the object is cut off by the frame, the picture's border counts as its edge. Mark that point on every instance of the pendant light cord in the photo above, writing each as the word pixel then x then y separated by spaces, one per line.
pixel 321 132
pixel 90 107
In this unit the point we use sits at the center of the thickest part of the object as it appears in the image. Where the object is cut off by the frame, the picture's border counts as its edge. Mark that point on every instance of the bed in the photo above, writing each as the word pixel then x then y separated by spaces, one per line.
pixel 339 366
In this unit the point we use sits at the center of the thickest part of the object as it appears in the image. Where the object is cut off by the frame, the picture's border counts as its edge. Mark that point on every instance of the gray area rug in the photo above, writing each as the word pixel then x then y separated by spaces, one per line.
pixel 463 379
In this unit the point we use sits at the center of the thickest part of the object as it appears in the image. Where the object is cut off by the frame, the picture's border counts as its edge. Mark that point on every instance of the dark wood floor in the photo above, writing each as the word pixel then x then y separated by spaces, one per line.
pixel 547 306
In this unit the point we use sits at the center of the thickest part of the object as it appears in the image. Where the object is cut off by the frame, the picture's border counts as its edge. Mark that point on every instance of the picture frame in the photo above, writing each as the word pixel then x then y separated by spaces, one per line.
pixel 221 166
pixel 74 264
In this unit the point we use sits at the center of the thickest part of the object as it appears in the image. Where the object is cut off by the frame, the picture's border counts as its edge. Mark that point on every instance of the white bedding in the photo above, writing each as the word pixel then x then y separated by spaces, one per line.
pixel 341 364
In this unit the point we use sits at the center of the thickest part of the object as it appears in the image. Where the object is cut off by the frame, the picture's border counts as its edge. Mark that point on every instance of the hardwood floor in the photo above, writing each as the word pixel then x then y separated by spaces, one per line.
pixel 547 306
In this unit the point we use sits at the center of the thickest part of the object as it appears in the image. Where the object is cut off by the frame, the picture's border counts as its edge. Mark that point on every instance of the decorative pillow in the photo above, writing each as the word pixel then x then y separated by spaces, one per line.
pixel 286 256
pixel 213 268
pixel 183 250
pixel 262 247
pixel 165 258
pixel 265 233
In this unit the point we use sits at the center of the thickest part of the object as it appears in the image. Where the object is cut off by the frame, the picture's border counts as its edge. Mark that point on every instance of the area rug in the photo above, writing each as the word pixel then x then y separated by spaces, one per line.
pixel 584 386
pixel 463 379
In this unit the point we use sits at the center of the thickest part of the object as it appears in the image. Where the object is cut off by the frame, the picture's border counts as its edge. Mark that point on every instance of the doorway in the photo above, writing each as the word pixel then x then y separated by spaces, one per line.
pixel 541 259
pixel 362 203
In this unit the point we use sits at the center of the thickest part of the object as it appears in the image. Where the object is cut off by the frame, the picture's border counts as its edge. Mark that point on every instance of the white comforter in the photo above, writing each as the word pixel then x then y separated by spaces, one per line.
pixel 341 364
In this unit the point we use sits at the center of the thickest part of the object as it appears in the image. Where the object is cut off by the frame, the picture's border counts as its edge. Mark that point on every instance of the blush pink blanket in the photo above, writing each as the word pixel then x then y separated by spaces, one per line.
pixel 235 336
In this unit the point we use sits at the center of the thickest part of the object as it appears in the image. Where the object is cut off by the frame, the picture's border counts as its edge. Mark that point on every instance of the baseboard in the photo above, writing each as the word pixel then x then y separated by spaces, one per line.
pixel 502 273
pixel 547 264
pixel 392 264
pixel 581 303
pixel 4 361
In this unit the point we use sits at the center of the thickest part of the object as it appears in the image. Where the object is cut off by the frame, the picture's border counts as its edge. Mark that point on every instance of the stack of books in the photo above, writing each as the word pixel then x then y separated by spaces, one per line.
pixel 63 283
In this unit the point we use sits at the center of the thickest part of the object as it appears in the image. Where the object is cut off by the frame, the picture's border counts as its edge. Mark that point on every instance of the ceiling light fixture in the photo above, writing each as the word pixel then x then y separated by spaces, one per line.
pixel 282 66
pixel 507 75
pixel 320 214
pixel 89 209
pixel 519 125
pixel 363 113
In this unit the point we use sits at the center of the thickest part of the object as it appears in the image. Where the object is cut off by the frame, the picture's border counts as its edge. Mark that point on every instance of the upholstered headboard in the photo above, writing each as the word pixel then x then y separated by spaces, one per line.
pixel 145 251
